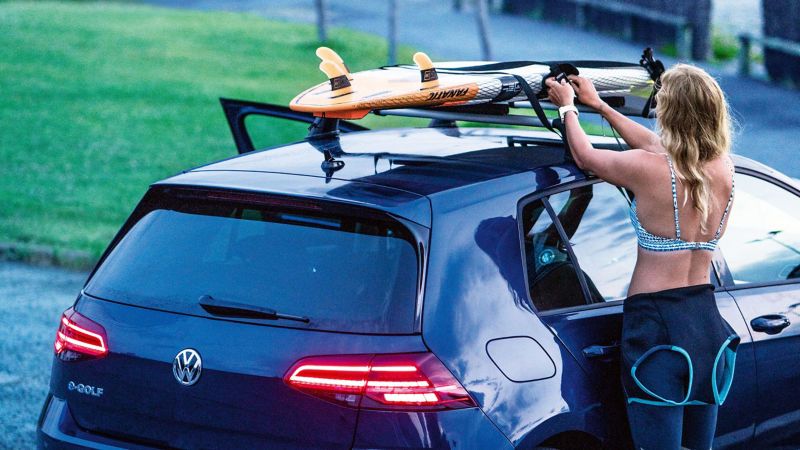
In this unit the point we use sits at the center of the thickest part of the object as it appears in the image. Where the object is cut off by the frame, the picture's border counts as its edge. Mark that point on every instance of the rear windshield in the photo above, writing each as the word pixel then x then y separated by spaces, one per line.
pixel 344 272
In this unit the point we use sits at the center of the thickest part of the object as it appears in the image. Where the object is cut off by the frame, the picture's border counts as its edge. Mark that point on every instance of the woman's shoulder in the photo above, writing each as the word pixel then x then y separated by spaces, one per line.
pixel 720 171
pixel 635 169
pixel 650 162
pixel 719 166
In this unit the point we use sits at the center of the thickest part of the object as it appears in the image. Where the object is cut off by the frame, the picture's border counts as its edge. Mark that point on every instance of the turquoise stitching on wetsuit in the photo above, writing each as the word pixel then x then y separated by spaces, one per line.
pixel 652 242
pixel 719 394
pixel 730 363
pixel 664 401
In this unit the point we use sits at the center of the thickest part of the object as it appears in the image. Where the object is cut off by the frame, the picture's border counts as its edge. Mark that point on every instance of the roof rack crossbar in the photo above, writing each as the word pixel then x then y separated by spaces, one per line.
pixel 528 121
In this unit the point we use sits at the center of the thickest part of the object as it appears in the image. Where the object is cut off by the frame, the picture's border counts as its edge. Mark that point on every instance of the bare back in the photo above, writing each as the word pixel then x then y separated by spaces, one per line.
pixel 657 270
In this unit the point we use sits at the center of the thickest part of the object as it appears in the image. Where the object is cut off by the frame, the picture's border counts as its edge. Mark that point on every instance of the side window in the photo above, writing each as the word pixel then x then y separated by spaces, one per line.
pixel 595 219
pixel 604 240
pixel 762 241
pixel 552 280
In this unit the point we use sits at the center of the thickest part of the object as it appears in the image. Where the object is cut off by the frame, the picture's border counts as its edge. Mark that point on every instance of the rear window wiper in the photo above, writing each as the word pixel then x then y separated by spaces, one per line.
pixel 241 310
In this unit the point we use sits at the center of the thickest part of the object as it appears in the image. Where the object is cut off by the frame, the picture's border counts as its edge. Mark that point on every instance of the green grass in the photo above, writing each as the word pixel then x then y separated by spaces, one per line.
pixel 99 100
pixel 724 47
pixel 670 50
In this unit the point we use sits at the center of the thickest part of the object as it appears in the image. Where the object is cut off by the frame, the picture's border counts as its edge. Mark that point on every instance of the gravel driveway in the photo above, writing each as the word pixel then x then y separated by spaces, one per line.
pixel 31 302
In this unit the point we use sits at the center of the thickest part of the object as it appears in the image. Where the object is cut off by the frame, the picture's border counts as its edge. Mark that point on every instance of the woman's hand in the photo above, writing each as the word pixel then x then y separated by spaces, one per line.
pixel 587 94
pixel 560 94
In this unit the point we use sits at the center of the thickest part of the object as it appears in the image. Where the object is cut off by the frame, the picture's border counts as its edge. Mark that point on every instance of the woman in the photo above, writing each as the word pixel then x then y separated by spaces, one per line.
pixel 677 351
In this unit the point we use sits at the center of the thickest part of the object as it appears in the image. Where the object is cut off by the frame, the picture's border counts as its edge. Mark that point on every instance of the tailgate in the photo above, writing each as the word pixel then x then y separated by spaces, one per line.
pixel 240 399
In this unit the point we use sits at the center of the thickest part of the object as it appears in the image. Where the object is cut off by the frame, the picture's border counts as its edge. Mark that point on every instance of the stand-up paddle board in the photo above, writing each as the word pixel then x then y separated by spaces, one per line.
pixel 352 95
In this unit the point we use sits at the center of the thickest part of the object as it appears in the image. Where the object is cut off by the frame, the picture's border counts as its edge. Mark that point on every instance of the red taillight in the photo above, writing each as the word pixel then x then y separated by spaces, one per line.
pixel 340 379
pixel 79 338
pixel 410 381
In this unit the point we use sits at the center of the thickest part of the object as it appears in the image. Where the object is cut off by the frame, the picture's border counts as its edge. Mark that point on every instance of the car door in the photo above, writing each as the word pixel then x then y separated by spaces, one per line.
pixel 761 247
pixel 250 129
pixel 579 289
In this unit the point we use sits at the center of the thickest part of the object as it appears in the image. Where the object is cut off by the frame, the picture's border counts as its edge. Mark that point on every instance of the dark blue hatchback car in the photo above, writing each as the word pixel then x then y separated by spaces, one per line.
pixel 440 287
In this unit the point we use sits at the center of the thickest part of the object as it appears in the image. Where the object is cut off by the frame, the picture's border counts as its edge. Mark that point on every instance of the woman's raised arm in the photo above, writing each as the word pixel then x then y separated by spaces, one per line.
pixel 627 169
pixel 634 134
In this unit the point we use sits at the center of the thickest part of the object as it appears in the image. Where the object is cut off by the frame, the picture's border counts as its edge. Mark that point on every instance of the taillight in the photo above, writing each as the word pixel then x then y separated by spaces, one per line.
pixel 406 382
pixel 78 338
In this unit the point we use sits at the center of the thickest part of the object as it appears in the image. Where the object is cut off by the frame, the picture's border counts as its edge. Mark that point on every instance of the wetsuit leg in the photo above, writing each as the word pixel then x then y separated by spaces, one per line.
pixel 656 427
pixel 699 424
pixel 700 421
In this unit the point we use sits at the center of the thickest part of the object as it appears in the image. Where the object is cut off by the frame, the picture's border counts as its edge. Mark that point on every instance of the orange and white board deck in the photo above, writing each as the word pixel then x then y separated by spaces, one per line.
pixel 352 96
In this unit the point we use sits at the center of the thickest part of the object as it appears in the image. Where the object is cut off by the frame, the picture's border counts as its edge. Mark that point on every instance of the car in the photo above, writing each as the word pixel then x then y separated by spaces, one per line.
pixel 447 286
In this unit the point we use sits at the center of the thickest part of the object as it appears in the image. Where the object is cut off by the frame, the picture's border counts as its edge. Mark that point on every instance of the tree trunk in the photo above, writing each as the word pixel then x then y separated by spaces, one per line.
pixel 482 15
pixel 321 21
pixel 392 32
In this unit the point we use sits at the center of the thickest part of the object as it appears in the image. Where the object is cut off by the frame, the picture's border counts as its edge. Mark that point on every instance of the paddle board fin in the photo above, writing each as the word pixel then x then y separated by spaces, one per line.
pixel 327 54
pixel 340 85
pixel 428 75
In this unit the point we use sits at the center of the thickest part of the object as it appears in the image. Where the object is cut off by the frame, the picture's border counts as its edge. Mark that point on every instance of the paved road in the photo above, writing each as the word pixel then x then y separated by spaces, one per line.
pixel 768 115
pixel 31 302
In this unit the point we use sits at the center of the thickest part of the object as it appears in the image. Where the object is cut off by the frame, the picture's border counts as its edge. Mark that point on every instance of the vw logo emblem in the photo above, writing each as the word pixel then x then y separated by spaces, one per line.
pixel 187 366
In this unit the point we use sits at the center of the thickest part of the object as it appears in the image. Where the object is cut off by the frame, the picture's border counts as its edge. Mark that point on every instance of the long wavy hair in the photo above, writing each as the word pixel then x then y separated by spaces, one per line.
pixel 695 127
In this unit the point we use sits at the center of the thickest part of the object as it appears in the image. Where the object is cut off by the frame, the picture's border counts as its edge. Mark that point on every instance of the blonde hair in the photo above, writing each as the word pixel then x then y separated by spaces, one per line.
pixel 695 127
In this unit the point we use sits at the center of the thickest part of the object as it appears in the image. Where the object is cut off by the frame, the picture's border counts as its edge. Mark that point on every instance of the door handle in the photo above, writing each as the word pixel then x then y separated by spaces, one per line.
pixel 601 351
pixel 770 324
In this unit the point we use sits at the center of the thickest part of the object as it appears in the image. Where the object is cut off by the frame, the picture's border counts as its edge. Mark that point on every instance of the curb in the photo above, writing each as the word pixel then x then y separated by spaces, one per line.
pixel 46 256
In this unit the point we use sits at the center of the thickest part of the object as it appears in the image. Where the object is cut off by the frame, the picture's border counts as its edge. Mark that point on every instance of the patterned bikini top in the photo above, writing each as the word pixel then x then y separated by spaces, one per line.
pixel 661 244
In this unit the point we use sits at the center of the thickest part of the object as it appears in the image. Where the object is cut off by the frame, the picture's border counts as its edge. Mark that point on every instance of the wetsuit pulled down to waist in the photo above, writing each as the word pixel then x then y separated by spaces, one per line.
pixel 677 334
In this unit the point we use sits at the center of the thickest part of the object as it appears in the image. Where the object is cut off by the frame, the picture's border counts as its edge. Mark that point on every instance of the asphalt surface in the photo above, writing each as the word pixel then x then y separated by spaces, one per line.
pixel 768 116
pixel 31 302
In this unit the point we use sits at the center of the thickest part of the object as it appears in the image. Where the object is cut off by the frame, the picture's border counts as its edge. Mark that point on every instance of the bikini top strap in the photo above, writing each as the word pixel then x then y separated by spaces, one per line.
pixel 674 199
pixel 727 208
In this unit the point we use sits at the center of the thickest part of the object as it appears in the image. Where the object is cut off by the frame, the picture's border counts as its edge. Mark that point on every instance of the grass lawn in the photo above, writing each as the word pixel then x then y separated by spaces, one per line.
pixel 98 100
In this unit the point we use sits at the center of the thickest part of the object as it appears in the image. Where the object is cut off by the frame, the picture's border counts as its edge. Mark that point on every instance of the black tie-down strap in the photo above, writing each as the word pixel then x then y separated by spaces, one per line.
pixel 537 108
pixel 557 126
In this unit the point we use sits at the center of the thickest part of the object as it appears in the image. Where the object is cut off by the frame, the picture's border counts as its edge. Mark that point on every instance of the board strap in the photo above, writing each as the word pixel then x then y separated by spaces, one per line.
pixel 537 107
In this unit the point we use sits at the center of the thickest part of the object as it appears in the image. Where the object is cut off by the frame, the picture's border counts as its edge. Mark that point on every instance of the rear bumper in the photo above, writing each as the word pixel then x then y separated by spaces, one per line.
pixel 58 430
pixel 463 429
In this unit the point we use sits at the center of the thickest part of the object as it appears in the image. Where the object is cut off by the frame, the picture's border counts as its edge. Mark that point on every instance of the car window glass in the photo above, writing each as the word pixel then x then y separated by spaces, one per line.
pixel 269 131
pixel 595 218
pixel 552 280
pixel 602 237
pixel 346 273
pixel 762 241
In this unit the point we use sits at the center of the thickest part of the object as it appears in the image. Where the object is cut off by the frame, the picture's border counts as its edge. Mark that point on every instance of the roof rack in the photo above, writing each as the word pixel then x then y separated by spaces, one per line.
pixel 322 128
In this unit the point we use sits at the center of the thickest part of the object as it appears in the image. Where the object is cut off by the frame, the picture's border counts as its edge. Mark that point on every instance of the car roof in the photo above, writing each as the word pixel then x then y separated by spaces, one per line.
pixel 393 168
pixel 422 161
